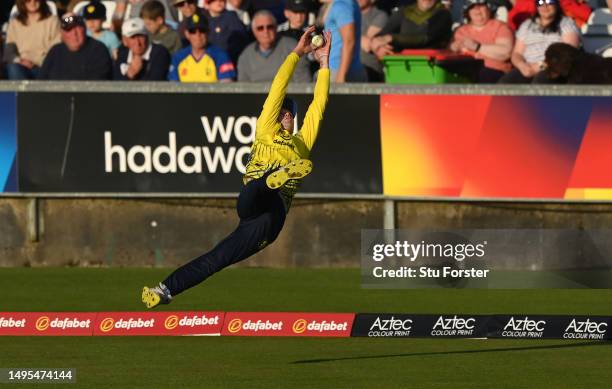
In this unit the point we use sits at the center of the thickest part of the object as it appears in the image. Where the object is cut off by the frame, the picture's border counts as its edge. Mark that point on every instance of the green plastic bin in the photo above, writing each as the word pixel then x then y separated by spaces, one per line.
pixel 428 67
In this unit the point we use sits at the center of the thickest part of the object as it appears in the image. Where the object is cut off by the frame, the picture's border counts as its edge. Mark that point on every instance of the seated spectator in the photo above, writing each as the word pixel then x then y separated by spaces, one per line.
pixel 261 59
pixel 136 8
pixel 533 38
pixel 187 8
pixel 485 38
pixel 94 15
pixel 153 14
pixel 77 57
pixel 426 24
pixel 201 61
pixel 225 29
pixel 523 10
pixel 29 38
pixel 296 12
pixel 343 19
pixel 140 59
pixel 372 22
pixel 237 6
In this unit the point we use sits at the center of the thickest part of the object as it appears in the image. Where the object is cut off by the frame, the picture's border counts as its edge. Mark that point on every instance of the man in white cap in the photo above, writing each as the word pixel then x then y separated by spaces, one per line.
pixel 140 59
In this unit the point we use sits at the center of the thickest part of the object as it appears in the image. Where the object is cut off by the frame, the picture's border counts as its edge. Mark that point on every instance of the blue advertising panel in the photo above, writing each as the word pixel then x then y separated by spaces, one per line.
pixel 8 142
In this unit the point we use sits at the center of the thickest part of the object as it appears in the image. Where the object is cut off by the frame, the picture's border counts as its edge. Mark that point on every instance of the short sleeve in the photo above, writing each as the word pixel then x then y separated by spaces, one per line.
pixel 523 31
pixel 343 13
pixel 225 66
pixel 567 26
pixel 504 32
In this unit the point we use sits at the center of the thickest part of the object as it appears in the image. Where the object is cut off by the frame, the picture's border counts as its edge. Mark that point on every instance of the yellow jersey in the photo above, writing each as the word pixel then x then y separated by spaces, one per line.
pixel 274 146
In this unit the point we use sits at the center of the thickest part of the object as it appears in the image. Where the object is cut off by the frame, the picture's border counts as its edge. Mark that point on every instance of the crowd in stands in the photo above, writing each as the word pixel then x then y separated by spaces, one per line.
pixel 511 41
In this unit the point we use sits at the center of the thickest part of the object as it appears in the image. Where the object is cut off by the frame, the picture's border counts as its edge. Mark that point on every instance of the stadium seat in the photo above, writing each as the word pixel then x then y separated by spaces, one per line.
pixel 597 32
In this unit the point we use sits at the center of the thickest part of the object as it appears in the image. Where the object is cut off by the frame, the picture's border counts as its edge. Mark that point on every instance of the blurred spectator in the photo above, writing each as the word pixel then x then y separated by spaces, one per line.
pixel 187 8
pixel 77 57
pixel 485 38
pixel 296 12
pixel 566 64
pixel 261 59
pixel 578 10
pixel 201 61
pixel 29 37
pixel 94 15
pixel 372 22
pixel 276 7
pixel 426 24
pixel 140 60
pixel 533 38
pixel 124 12
pixel 153 14
pixel 226 31
pixel 343 19
pixel 237 6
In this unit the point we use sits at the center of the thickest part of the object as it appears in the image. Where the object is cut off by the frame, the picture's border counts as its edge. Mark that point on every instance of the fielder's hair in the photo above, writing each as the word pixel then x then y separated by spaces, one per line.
pixel 152 10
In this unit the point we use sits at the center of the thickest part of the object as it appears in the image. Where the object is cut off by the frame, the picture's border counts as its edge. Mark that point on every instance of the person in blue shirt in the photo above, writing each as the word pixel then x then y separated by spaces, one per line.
pixel 344 21
pixel 200 62
pixel 94 14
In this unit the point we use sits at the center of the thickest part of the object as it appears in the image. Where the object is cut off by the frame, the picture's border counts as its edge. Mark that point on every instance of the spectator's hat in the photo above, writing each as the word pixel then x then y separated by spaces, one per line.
pixel 94 10
pixel 196 21
pixel 132 27
pixel 470 3
pixel 180 2
pixel 71 20
pixel 296 5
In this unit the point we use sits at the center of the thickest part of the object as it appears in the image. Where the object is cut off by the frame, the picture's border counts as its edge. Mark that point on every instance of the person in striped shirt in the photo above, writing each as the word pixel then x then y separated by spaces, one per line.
pixel 277 163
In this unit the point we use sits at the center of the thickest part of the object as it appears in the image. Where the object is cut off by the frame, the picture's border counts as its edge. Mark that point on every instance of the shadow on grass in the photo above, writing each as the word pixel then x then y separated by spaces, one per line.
pixel 490 350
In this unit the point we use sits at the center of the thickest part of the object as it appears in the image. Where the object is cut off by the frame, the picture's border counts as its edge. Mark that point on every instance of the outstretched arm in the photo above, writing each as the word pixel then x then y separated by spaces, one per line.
pixel 268 119
pixel 314 115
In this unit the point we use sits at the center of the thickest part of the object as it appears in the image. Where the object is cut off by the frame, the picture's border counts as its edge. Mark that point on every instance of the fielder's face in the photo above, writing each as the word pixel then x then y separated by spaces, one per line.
pixel 285 118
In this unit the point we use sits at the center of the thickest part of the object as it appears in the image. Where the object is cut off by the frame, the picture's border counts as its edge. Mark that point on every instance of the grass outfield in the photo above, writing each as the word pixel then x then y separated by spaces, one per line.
pixel 299 362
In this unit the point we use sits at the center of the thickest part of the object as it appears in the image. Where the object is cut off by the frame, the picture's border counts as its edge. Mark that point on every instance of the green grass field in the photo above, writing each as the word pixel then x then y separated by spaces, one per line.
pixel 135 362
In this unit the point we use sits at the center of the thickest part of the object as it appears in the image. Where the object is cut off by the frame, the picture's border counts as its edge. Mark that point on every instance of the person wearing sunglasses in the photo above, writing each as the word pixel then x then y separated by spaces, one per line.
pixel 200 61
pixel 276 167
pixel 187 9
pixel 29 37
pixel 548 26
pixel 522 10
pixel 260 59
pixel 77 57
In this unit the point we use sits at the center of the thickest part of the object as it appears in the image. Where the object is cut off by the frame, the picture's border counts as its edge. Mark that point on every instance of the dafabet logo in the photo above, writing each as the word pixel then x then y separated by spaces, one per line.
pixel 42 323
pixel 171 322
pixel 234 326
pixel 299 326
pixel 107 324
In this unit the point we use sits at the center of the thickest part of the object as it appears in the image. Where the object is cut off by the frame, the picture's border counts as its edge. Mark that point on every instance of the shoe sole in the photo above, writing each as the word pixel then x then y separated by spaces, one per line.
pixel 292 171
pixel 150 298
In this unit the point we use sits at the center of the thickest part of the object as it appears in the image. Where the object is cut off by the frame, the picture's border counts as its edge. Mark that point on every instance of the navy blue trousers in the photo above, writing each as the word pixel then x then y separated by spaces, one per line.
pixel 262 215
